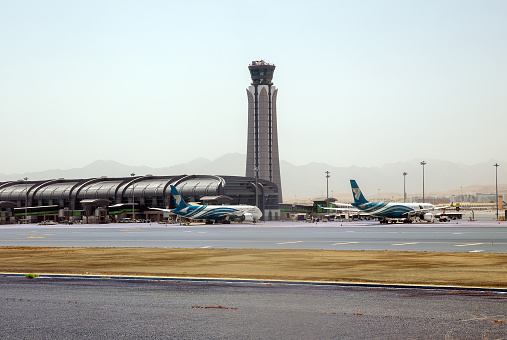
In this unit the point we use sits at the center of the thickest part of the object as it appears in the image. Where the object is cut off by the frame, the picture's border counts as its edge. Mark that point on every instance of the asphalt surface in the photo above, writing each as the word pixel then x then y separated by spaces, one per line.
pixel 50 308
pixel 46 308
pixel 459 236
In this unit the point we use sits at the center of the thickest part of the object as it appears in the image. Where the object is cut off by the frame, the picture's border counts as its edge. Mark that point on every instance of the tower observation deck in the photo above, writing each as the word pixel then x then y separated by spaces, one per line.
pixel 262 147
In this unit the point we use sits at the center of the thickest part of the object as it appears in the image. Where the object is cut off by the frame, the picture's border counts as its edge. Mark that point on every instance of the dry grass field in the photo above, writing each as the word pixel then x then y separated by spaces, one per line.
pixel 399 267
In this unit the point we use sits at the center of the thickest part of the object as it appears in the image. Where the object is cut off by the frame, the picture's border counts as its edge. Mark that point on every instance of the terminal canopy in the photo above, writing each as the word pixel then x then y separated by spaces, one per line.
pixel 95 202
pixel 7 205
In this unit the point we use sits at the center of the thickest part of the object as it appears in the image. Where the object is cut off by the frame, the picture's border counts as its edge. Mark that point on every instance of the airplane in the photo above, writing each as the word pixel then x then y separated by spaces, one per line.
pixel 387 212
pixel 213 213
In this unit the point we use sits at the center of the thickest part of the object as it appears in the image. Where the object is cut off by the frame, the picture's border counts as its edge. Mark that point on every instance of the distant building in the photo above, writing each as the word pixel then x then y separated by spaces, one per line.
pixel 262 145
pixel 475 198
pixel 485 198
pixel 431 199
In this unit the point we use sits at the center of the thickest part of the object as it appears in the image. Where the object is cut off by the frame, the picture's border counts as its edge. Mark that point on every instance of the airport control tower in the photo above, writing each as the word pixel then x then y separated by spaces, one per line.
pixel 262 146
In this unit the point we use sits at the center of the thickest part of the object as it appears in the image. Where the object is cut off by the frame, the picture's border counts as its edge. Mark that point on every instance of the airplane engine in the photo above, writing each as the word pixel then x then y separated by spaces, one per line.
pixel 428 217
pixel 248 217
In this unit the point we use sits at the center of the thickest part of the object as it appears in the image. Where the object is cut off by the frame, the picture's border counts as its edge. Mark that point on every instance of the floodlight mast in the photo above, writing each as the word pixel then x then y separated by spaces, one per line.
pixel 423 163
pixel 26 199
pixel 256 170
pixel 133 211
pixel 404 192
pixel 496 165
pixel 327 188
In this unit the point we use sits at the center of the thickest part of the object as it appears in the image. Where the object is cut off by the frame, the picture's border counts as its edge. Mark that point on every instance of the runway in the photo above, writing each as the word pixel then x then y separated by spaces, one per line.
pixel 463 236
pixel 48 308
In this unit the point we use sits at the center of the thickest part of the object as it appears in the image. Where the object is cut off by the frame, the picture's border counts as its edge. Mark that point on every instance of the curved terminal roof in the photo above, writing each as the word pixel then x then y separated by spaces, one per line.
pixel 99 189
pixel 14 191
pixel 200 185
pixel 154 190
pixel 55 191
pixel 111 188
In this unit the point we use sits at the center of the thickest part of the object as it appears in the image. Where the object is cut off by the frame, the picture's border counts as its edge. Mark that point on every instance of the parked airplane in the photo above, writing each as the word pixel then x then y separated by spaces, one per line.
pixel 386 212
pixel 213 213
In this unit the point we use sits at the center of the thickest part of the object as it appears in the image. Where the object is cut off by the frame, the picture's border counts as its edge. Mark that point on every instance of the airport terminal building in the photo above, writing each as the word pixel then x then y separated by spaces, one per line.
pixel 103 200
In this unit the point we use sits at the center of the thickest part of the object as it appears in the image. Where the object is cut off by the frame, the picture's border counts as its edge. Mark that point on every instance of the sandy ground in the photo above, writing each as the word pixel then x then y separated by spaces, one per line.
pixel 401 267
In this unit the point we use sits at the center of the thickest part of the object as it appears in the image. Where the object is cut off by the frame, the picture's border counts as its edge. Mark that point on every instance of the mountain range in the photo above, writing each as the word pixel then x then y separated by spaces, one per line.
pixel 303 182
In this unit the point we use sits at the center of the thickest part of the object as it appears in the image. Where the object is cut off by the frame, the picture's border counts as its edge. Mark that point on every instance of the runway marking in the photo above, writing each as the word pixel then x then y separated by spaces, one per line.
pixel 206 247
pixel 468 244
pixel 404 244
pixel 47 234
pixel 290 242
pixel 35 237
pixel 334 244
pixel 476 251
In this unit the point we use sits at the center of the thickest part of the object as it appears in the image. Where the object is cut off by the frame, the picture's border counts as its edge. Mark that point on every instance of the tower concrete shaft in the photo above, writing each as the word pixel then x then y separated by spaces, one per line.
pixel 262 146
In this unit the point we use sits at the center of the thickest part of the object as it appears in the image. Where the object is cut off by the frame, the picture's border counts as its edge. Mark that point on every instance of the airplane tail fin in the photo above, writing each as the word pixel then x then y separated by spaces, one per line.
pixel 178 200
pixel 356 192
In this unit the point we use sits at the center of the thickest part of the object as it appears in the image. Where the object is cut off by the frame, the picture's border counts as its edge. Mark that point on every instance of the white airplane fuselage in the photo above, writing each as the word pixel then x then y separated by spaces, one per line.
pixel 396 210
pixel 220 212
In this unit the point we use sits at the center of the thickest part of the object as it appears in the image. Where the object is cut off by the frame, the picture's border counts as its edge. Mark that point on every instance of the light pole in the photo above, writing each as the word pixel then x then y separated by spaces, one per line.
pixel 26 199
pixel 133 174
pixel 423 163
pixel 327 189
pixel 496 165
pixel 404 192
pixel 256 170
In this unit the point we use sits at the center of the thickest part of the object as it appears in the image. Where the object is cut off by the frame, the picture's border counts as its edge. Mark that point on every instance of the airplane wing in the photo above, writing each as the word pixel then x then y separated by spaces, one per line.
pixel 161 209
pixel 343 205
pixel 341 209
pixel 433 209
pixel 443 208
pixel 409 214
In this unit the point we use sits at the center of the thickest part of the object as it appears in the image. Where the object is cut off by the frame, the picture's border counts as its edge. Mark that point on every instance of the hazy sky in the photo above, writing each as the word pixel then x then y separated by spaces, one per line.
pixel 159 83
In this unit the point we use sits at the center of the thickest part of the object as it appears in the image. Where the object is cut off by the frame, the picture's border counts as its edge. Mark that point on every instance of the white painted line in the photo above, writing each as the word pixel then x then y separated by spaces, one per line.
pixel 206 247
pixel 476 251
pixel 334 244
pixel 403 244
pixel 468 244
pixel 290 242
